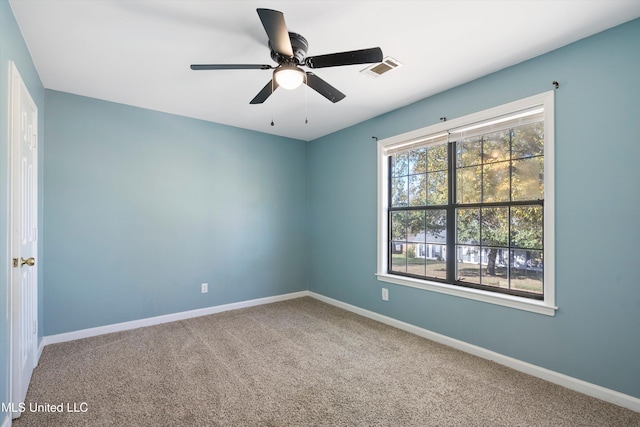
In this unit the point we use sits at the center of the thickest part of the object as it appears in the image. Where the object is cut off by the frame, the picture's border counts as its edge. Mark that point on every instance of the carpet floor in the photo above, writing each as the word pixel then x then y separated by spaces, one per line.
pixel 294 363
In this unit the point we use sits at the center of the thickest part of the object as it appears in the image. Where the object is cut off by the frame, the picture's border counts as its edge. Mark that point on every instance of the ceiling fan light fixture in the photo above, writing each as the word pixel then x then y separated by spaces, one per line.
pixel 288 77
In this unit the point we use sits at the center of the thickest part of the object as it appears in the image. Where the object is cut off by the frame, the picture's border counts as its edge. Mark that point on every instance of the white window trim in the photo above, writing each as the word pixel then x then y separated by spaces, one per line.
pixel 547 306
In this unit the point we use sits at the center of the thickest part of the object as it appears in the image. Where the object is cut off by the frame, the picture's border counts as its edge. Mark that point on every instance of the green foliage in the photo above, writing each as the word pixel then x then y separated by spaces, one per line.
pixel 411 251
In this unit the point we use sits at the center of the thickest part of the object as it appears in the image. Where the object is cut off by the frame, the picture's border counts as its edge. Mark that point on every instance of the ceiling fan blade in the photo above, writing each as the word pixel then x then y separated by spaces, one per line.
pixel 230 67
pixel 265 92
pixel 273 23
pixel 324 88
pixel 362 56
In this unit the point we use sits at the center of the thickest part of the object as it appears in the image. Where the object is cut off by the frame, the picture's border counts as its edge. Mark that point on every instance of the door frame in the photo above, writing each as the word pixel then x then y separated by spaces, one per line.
pixel 15 102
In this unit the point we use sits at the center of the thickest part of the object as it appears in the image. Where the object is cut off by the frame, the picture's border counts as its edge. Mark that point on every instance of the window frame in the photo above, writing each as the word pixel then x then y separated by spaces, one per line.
pixel 545 306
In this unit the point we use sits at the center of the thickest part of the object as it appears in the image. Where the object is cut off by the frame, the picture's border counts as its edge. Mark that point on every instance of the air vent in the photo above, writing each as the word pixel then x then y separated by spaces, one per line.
pixel 387 64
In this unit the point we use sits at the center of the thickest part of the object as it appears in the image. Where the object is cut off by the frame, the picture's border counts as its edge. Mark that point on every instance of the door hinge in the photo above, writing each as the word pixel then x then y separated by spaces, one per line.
pixel 35 326
pixel 15 262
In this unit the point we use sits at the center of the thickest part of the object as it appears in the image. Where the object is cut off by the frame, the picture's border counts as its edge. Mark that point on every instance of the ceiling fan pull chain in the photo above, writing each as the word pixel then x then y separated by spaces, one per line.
pixel 306 100
pixel 272 90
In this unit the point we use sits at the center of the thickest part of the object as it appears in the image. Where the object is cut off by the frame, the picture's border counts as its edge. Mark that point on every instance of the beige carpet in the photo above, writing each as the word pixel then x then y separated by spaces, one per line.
pixel 294 363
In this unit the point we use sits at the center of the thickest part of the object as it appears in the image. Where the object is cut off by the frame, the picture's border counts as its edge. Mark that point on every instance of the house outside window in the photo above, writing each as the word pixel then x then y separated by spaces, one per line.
pixel 465 207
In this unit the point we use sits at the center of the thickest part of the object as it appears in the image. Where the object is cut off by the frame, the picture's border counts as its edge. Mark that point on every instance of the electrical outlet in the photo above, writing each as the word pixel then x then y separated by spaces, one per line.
pixel 204 288
pixel 385 294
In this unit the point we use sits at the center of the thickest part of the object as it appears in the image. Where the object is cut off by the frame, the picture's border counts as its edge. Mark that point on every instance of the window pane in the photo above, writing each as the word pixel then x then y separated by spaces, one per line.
pixel 526 227
pixel 398 257
pixel 399 191
pixel 399 164
pixel 468 184
pixel 468 226
pixel 527 271
pixel 418 161
pixel 495 181
pixel 528 179
pixel 495 227
pixel 398 225
pixel 416 262
pixel 417 190
pixel 496 147
pixel 438 191
pixel 436 222
pixel 437 261
pixel 469 152
pixel 437 158
pixel 415 226
pixel 528 141
pixel 496 271
pixel 468 263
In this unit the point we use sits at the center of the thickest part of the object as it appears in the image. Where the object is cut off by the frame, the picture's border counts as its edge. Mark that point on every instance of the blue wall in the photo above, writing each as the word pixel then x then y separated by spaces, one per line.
pixel 142 207
pixel 13 48
pixel 595 334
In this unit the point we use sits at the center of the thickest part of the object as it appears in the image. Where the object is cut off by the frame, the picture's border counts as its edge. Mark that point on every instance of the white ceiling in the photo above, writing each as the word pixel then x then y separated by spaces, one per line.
pixel 138 52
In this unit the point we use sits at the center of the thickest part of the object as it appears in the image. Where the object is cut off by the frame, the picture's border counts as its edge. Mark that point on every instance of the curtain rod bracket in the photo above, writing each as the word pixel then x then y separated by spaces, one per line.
pixel 555 84
pixel 375 138
pixel 443 119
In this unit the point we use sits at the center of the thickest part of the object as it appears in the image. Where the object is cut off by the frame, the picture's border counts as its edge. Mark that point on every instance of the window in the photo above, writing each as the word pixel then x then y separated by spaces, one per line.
pixel 466 206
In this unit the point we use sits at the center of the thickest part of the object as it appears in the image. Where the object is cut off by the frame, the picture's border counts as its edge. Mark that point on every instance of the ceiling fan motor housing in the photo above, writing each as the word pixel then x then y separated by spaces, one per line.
pixel 299 45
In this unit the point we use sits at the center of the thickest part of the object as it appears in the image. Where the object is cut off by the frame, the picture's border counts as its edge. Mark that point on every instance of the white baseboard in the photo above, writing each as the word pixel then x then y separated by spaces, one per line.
pixel 134 324
pixel 40 348
pixel 563 380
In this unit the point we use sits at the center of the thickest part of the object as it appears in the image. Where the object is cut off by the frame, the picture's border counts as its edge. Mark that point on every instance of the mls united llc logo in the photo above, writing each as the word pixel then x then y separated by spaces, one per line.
pixel 45 407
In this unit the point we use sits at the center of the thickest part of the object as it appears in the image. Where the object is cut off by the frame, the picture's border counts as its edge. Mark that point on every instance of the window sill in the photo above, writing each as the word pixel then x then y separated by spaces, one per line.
pixel 511 301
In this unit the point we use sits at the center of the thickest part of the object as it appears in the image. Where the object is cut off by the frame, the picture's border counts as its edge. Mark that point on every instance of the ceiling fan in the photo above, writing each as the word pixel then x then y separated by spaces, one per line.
pixel 289 50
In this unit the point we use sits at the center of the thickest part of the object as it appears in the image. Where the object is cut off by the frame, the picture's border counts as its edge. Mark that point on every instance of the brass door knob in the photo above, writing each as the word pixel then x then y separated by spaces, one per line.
pixel 29 261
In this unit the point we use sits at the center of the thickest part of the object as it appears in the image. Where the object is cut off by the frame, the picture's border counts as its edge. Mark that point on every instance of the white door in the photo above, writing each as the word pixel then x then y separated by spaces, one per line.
pixel 24 237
